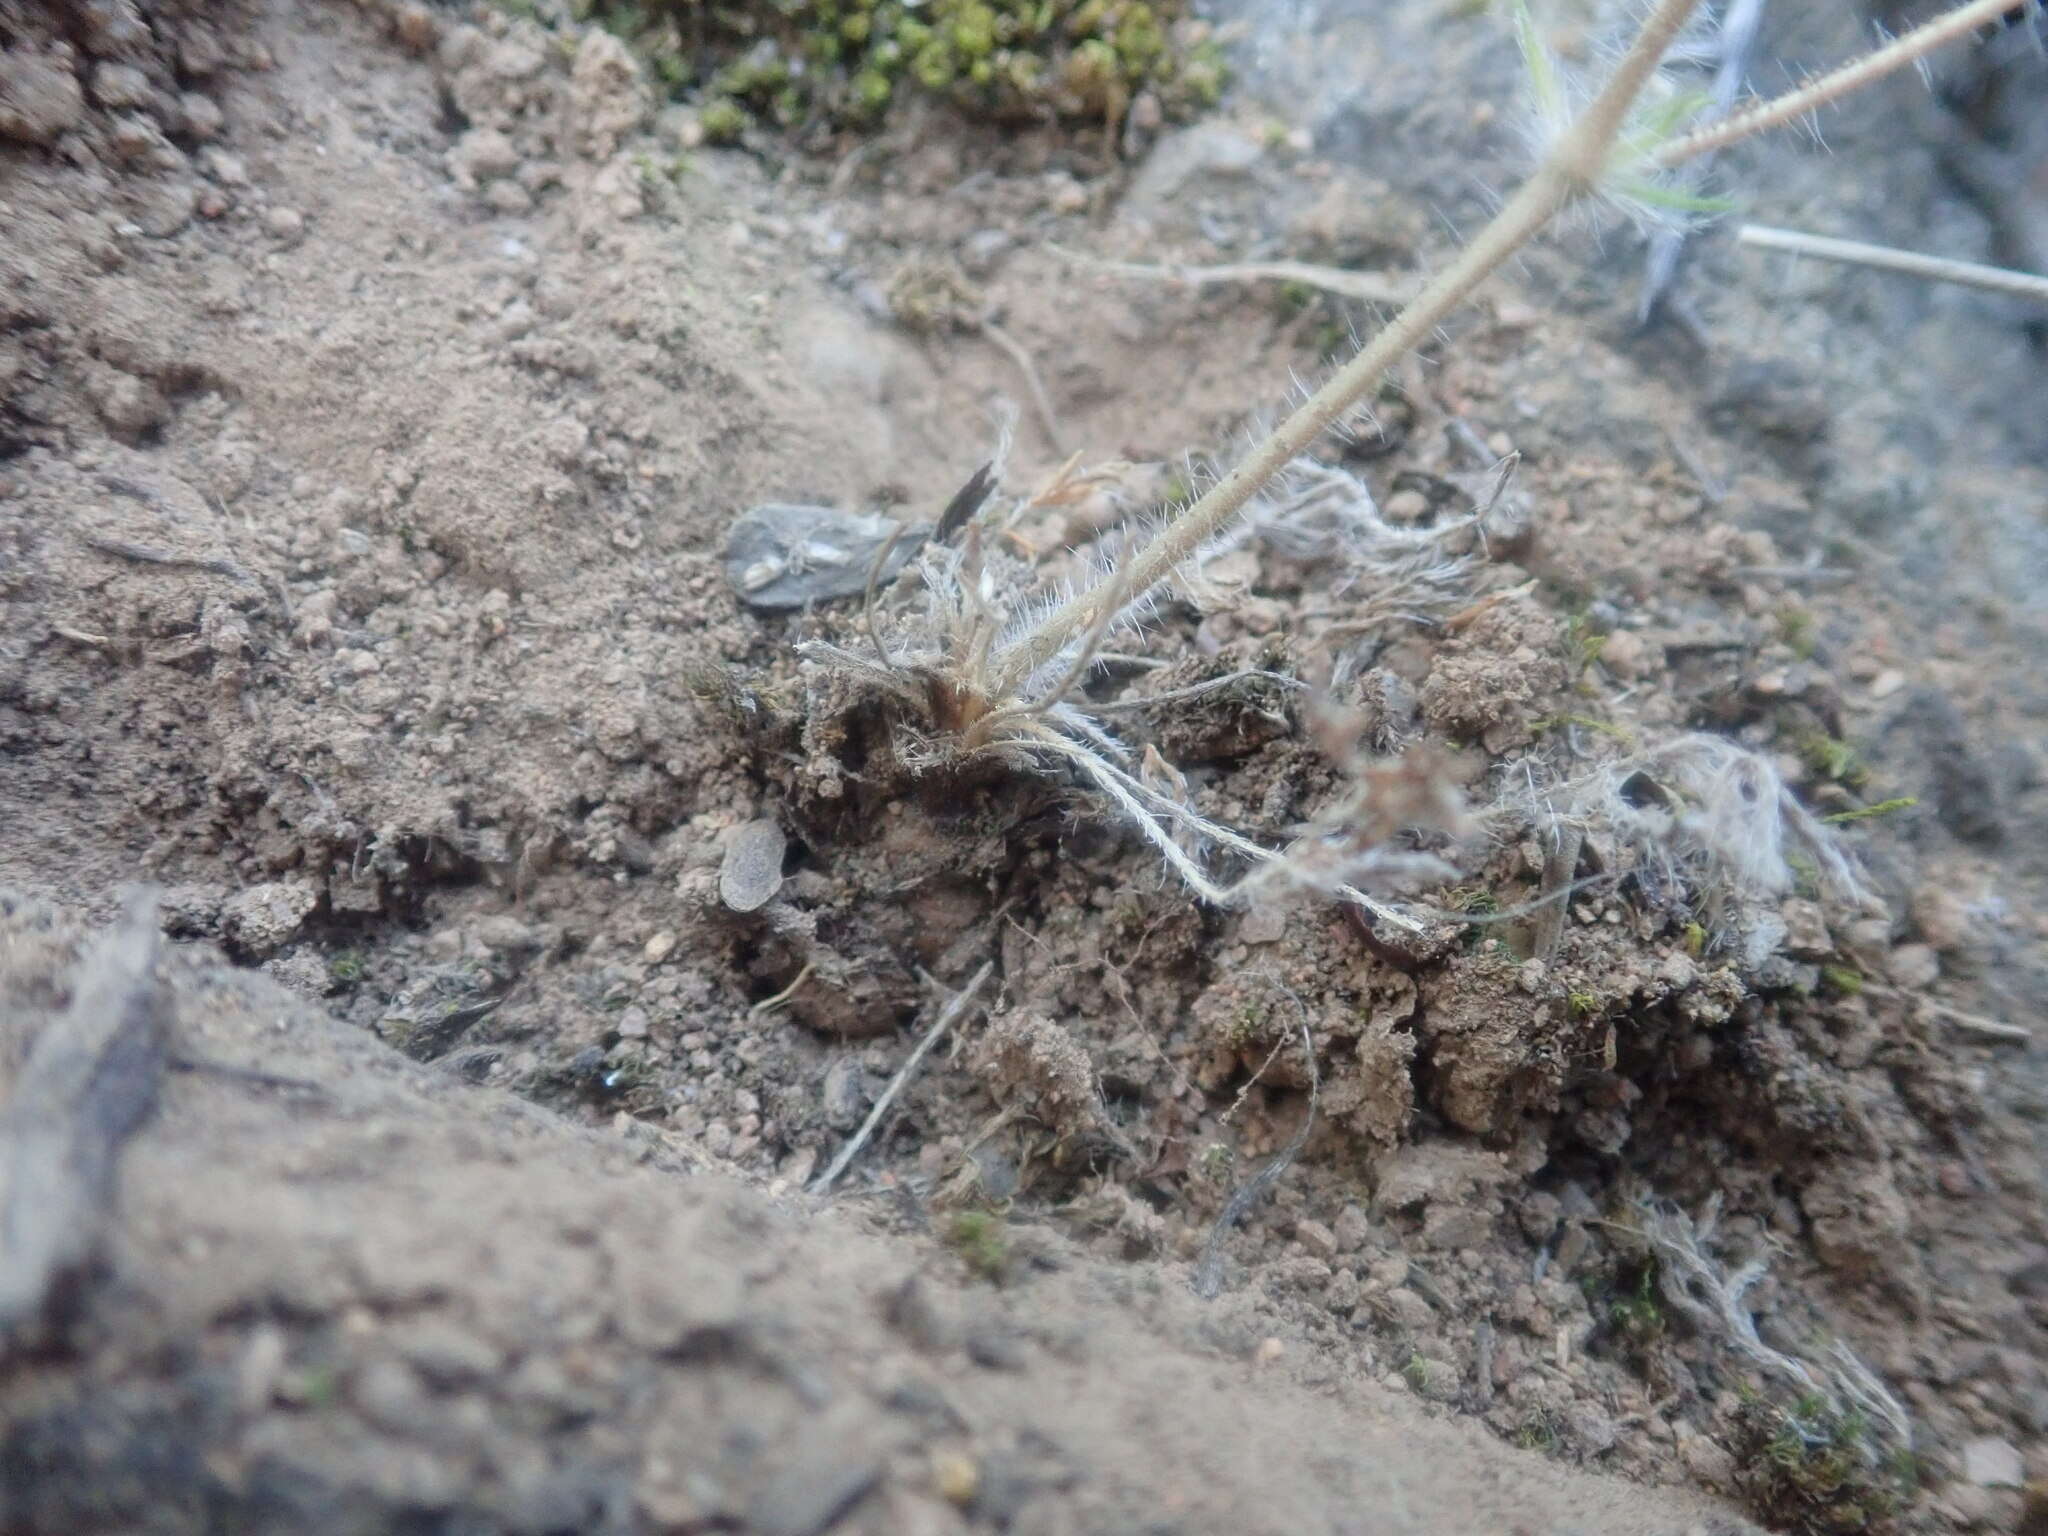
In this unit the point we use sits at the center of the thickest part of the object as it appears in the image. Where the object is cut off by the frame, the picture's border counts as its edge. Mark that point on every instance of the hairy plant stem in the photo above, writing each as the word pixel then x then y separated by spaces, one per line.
pixel 1836 83
pixel 1934 269
pixel 1570 171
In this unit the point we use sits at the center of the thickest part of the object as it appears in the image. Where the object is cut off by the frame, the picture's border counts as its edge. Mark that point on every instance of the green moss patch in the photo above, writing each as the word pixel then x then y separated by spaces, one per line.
pixel 841 63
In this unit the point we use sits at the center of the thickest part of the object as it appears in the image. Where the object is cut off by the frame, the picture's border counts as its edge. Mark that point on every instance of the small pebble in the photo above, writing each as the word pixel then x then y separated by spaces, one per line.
pixel 1316 1238
pixel 1406 507
pixel 1914 966
pixel 751 872
pixel 956 1477
pixel 202 114
pixel 416 27
pixel 1993 1463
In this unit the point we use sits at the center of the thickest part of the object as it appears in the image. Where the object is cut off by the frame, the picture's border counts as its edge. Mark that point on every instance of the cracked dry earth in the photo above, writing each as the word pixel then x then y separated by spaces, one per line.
pixel 378 384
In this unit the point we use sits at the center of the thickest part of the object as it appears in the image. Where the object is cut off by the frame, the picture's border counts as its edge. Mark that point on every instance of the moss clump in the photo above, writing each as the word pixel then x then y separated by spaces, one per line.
pixel 723 120
pixel 932 296
pixel 1536 1432
pixel 1795 628
pixel 1635 1314
pixel 1827 757
pixel 1842 980
pixel 977 1236
pixel 1215 1162
pixel 1818 1472
pixel 1474 899
pixel 840 63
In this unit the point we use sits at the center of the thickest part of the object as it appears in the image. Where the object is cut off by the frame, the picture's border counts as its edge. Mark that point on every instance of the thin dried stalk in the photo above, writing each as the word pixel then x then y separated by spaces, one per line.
pixel 1836 83
pixel 946 1019
pixel 1885 258
pixel 1370 287
pixel 1570 171
pixel 1574 167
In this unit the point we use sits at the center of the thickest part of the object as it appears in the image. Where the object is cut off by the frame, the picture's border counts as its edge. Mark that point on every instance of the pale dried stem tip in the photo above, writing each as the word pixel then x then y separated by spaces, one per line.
pixel 1968 1023
pixel 1369 287
pixel 770 1004
pixel 1837 83
pixel 1034 382
pixel 1885 258
pixel 1572 169
pixel 1567 173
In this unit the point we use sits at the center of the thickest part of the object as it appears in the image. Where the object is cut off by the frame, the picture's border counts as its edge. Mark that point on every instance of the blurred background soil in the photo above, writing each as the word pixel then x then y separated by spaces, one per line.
pixel 378 385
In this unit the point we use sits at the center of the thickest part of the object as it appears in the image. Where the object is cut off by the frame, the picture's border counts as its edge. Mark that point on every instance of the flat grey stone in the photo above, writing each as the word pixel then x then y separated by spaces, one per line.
pixel 783 555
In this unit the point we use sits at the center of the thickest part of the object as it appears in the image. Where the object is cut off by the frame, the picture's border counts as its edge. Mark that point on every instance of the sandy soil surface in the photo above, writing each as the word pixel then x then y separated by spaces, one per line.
pixel 379 385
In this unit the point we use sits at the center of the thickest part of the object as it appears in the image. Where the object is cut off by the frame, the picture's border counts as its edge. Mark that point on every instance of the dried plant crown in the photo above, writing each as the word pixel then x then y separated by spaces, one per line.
pixel 985 661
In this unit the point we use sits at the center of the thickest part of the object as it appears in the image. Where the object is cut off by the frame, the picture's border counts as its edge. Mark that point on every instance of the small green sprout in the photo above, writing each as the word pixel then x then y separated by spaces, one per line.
pixel 316 1386
pixel 1637 1316
pixel 1215 1161
pixel 1633 177
pixel 1294 297
pixel 1795 628
pixel 1843 980
pixel 1830 758
pixel 723 120
pixel 1471 898
pixel 1582 642
pixel 1248 1028
pixel 1867 812
pixel 1536 1433
pixel 977 1236
pixel 1583 1004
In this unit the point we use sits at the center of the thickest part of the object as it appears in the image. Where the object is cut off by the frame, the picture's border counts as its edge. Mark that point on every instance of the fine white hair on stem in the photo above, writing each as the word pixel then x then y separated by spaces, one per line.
pixel 944 657
pixel 1318 513
pixel 995 675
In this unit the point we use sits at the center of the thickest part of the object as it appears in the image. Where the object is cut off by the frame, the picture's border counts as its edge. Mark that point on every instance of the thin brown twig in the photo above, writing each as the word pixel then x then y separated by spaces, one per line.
pixel 1034 383
pixel 947 1015
pixel 142 554
pixel 1370 287
pixel 769 1004
pixel 1885 258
